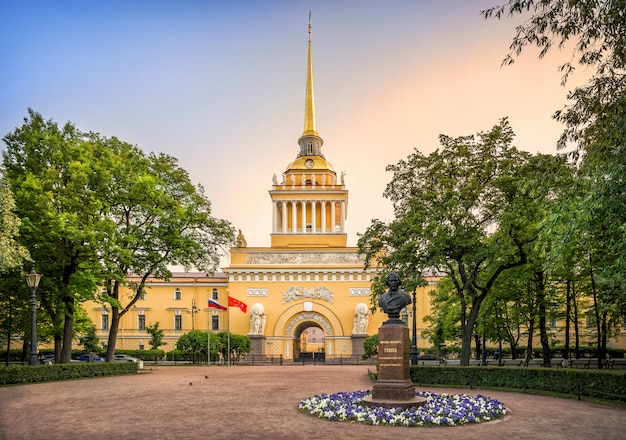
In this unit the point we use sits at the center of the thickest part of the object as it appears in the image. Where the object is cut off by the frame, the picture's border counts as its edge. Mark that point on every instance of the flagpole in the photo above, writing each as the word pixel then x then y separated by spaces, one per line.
pixel 229 334
pixel 208 335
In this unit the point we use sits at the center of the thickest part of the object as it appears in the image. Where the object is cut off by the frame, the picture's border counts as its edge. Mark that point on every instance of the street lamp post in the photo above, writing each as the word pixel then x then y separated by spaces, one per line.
pixel 32 279
pixel 194 310
pixel 414 341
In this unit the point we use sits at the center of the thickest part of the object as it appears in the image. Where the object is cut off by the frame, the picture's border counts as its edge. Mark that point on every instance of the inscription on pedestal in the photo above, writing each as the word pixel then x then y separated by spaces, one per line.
pixel 394 382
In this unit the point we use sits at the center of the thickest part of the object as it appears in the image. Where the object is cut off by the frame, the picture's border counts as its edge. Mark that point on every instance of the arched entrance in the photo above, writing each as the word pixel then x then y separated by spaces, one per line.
pixel 299 321
pixel 308 342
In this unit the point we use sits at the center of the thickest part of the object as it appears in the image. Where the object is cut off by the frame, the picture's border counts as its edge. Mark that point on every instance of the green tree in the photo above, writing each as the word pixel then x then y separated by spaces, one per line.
pixel 238 345
pixel 156 218
pixel 12 253
pixel 51 174
pixel 444 321
pixel 15 311
pixel 370 347
pixel 194 343
pixel 593 219
pixel 448 209
pixel 90 340
pixel 156 336
pixel 596 28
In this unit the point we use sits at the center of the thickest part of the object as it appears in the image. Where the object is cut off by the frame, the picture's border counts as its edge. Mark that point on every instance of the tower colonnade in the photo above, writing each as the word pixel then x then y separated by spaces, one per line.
pixel 309 216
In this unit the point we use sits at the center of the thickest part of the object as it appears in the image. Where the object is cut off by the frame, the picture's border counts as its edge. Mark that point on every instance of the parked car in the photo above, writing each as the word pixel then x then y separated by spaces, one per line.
pixel 85 358
pixel 124 358
pixel 47 359
pixel 432 357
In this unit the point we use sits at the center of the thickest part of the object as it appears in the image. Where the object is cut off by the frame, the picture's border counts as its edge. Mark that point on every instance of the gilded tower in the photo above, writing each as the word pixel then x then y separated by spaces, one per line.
pixel 310 202
pixel 308 284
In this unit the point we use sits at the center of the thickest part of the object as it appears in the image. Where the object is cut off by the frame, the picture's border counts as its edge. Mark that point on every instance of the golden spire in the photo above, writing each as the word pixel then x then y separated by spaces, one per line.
pixel 310 126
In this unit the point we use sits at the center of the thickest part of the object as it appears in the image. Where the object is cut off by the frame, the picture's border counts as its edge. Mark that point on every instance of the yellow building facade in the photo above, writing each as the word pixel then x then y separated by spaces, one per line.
pixel 307 293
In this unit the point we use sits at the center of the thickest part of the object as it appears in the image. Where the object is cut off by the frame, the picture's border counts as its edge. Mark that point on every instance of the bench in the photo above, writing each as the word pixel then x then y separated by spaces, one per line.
pixel 578 363
pixel 534 363
pixel 616 363
pixel 431 363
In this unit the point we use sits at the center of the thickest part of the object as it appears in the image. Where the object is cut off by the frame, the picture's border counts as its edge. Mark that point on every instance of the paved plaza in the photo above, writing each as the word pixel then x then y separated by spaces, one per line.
pixel 262 403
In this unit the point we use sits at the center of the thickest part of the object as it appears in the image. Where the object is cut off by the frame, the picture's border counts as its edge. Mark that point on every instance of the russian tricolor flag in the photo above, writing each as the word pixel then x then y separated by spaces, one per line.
pixel 215 305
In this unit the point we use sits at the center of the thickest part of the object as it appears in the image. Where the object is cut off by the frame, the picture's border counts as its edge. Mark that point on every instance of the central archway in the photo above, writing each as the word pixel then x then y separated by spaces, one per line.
pixel 294 321
pixel 308 342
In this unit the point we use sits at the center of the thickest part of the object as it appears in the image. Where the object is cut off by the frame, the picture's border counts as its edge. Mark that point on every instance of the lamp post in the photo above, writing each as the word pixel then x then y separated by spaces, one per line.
pixel 32 279
pixel 414 341
pixel 194 310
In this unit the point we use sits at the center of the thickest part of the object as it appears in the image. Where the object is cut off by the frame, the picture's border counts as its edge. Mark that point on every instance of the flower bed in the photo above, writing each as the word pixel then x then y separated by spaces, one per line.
pixel 439 410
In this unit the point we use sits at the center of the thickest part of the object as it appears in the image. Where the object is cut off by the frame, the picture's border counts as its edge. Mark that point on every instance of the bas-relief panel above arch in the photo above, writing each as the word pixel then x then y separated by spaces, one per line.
pixel 316 258
pixel 308 311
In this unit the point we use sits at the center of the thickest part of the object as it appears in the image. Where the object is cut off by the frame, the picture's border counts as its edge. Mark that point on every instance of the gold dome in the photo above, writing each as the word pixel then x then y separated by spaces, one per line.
pixel 317 163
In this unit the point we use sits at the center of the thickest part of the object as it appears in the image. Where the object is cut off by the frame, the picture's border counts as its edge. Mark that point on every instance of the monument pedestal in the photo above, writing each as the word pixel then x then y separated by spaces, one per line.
pixel 257 345
pixel 357 345
pixel 394 386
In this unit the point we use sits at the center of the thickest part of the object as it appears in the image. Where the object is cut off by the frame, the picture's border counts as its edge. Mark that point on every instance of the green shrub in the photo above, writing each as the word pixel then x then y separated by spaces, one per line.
pixel 610 385
pixel 144 355
pixel 17 374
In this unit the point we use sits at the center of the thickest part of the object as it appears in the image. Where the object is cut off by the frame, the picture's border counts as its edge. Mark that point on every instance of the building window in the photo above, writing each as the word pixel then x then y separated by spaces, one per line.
pixel 215 295
pixel 142 294
pixel 553 322
pixel 215 322
pixel 105 322
pixel 178 295
pixel 141 322
pixel 178 322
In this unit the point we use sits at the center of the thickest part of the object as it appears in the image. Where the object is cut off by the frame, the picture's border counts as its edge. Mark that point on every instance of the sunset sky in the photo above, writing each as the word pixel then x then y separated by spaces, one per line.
pixel 221 85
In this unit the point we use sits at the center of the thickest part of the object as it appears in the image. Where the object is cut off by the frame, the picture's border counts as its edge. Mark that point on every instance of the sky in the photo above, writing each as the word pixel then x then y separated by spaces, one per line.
pixel 220 85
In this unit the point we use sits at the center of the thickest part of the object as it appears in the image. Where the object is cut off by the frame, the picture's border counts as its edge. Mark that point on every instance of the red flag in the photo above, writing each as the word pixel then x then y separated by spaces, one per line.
pixel 232 302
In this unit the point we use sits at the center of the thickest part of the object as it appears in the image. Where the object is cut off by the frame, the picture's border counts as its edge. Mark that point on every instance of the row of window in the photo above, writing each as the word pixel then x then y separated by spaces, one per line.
pixel 178 322
pixel 178 294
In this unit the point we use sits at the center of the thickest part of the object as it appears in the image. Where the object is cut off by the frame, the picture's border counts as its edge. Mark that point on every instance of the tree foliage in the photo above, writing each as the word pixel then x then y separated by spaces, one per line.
pixel 52 178
pixel 96 211
pixel 456 213
pixel 590 221
pixel 238 345
pixel 156 336
pixel 598 28
pixel 12 253
pixel 196 342
pixel 155 218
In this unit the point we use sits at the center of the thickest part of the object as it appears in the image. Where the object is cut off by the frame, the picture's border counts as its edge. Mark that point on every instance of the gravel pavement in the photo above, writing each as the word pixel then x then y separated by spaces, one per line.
pixel 261 402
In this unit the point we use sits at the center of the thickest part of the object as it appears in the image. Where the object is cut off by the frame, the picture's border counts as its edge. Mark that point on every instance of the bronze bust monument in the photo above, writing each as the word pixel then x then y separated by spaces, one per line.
pixel 394 299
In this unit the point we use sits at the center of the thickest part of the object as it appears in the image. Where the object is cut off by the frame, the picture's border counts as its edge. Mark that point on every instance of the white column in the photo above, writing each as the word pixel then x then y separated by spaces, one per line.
pixel 274 216
pixel 313 216
pixel 294 217
pixel 323 216
pixel 343 214
pixel 284 216
pixel 303 216
pixel 333 207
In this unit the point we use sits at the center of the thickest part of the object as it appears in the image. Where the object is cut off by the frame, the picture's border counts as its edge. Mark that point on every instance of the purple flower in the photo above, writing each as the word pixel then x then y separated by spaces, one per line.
pixel 445 410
